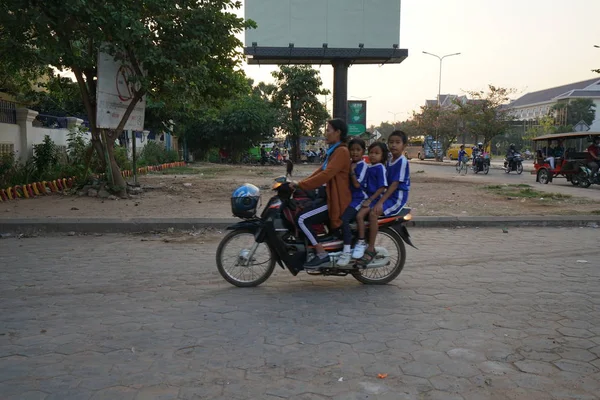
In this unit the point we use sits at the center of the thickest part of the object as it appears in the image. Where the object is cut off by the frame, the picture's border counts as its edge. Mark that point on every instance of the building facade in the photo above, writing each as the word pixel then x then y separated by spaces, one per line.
pixel 535 105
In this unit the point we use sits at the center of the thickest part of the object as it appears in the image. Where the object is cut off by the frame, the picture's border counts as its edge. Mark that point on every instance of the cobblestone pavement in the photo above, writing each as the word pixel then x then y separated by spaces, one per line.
pixel 476 314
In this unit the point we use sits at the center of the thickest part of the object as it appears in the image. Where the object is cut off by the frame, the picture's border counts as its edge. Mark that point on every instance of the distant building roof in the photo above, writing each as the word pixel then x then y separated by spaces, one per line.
pixel 547 95
pixel 579 93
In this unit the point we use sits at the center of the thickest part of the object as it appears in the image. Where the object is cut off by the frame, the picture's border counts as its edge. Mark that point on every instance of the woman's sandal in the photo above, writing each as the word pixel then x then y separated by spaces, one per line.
pixel 366 258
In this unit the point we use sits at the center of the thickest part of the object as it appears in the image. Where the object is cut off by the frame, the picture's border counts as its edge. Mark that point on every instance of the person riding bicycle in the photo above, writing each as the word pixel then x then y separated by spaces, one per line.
pixel 462 154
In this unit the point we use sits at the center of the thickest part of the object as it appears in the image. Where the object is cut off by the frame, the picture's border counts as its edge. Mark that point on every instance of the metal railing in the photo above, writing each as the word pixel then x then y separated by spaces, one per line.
pixel 8 112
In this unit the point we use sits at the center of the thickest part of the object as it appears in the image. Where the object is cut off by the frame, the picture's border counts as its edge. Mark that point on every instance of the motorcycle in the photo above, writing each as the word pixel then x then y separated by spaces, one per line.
pixel 481 162
pixel 246 257
pixel 585 178
pixel 514 163
pixel 270 160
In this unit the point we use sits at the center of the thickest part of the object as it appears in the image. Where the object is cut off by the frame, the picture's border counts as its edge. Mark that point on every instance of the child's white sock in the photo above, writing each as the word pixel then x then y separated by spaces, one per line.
pixel 347 248
pixel 361 241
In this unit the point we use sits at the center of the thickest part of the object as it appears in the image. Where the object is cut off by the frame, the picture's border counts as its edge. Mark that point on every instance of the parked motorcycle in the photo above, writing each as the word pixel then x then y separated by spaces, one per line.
pixel 247 256
pixel 270 160
pixel 481 163
pixel 514 163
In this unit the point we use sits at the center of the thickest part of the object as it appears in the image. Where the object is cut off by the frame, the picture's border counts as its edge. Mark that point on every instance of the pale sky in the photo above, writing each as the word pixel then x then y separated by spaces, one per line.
pixel 528 45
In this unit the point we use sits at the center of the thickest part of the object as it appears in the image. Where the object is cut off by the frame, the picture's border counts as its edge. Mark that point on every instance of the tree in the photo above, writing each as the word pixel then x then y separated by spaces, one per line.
pixel 59 96
pixel 183 53
pixel 441 123
pixel 241 123
pixel 569 113
pixel 546 125
pixel 485 115
pixel 298 88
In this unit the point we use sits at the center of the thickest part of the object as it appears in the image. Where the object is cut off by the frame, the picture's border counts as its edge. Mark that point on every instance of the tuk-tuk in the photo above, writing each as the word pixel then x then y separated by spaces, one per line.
pixel 561 156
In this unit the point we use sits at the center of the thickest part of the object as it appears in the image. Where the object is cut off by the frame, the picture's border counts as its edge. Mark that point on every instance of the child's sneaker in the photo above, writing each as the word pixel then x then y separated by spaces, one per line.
pixel 359 250
pixel 344 259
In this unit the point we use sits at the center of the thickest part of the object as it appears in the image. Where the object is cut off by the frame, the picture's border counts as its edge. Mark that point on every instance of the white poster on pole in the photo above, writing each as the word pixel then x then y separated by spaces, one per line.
pixel 114 94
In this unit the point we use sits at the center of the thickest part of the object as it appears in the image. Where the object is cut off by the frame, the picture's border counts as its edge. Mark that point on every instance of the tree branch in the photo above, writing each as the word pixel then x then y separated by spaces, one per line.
pixel 136 98
pixel 85 96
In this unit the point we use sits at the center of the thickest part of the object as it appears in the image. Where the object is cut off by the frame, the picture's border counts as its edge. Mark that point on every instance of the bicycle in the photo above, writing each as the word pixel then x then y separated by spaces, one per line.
pixel 462 167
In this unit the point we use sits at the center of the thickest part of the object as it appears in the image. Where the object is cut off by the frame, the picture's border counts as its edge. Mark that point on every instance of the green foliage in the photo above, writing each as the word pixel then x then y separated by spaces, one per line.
pixel 485 115
pixel 184 53
pixel 154 154
pixel 443 124
pixel 569 113
pixel 59 96
pixel 13 173
pixel 240 124
pixel 298 88
pixel 45 158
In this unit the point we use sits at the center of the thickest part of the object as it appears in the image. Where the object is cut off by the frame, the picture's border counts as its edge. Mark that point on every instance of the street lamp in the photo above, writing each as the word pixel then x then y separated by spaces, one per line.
pixel 440 80
pixel 396 113
pixel 596 46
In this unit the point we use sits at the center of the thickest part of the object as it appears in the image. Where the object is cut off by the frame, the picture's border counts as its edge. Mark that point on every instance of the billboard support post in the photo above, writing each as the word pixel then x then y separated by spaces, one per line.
pixel 340 88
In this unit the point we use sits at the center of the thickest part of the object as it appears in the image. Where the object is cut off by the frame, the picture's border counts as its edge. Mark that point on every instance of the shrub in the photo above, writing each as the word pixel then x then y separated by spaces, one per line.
pixel 45 159
pixel 14 173
pixel 154 153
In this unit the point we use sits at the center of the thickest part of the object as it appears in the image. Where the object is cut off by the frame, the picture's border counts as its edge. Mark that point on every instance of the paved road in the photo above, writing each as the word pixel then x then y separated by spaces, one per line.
pixel 476 314
pixel 560 185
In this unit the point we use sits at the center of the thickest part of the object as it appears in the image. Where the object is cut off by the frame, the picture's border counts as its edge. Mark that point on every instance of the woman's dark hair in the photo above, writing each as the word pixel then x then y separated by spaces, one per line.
pixel 384 150
pixel 339 124
pixel 357 141
pixel 401 135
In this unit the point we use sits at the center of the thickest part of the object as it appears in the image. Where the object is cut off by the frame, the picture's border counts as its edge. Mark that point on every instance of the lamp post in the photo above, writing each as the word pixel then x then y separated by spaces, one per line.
pixel 439 94
pixel 396 113
pixel 440 80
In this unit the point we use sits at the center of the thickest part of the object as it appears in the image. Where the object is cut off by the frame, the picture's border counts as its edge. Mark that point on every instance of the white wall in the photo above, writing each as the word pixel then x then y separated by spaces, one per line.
pixel 58 136
pixel 10 133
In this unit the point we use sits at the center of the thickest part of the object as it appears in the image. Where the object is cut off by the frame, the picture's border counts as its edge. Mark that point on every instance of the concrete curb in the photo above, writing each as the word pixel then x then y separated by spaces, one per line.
pixel 110 225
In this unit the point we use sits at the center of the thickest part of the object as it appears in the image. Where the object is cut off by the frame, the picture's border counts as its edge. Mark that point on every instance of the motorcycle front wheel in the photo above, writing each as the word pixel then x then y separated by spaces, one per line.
pixel 519 168
pixel 243 262
pixel 390 240
pixel 486 169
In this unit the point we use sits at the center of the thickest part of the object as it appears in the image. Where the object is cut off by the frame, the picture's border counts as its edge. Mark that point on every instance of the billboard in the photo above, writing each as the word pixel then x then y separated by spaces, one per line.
pixel 310 23
pixel 357 117
pixel 114 94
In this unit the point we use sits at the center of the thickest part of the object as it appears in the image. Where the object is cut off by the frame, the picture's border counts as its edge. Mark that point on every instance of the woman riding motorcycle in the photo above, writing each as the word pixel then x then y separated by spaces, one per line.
pixel 334 175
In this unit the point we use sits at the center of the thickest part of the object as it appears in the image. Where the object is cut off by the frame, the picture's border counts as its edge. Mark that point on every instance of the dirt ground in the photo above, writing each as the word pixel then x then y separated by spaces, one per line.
pixel 205 194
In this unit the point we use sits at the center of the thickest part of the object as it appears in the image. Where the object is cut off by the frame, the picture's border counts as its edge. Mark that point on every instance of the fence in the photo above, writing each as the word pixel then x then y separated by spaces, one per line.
pixel 8 112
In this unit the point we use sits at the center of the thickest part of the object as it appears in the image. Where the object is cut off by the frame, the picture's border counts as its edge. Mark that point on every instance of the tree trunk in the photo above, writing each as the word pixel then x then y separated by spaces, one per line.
pixel 296 149
pixel 119 184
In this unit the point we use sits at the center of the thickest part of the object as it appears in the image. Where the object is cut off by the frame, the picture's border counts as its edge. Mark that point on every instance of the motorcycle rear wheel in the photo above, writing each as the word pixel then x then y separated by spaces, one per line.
pixel 228 263
pixel 384 275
